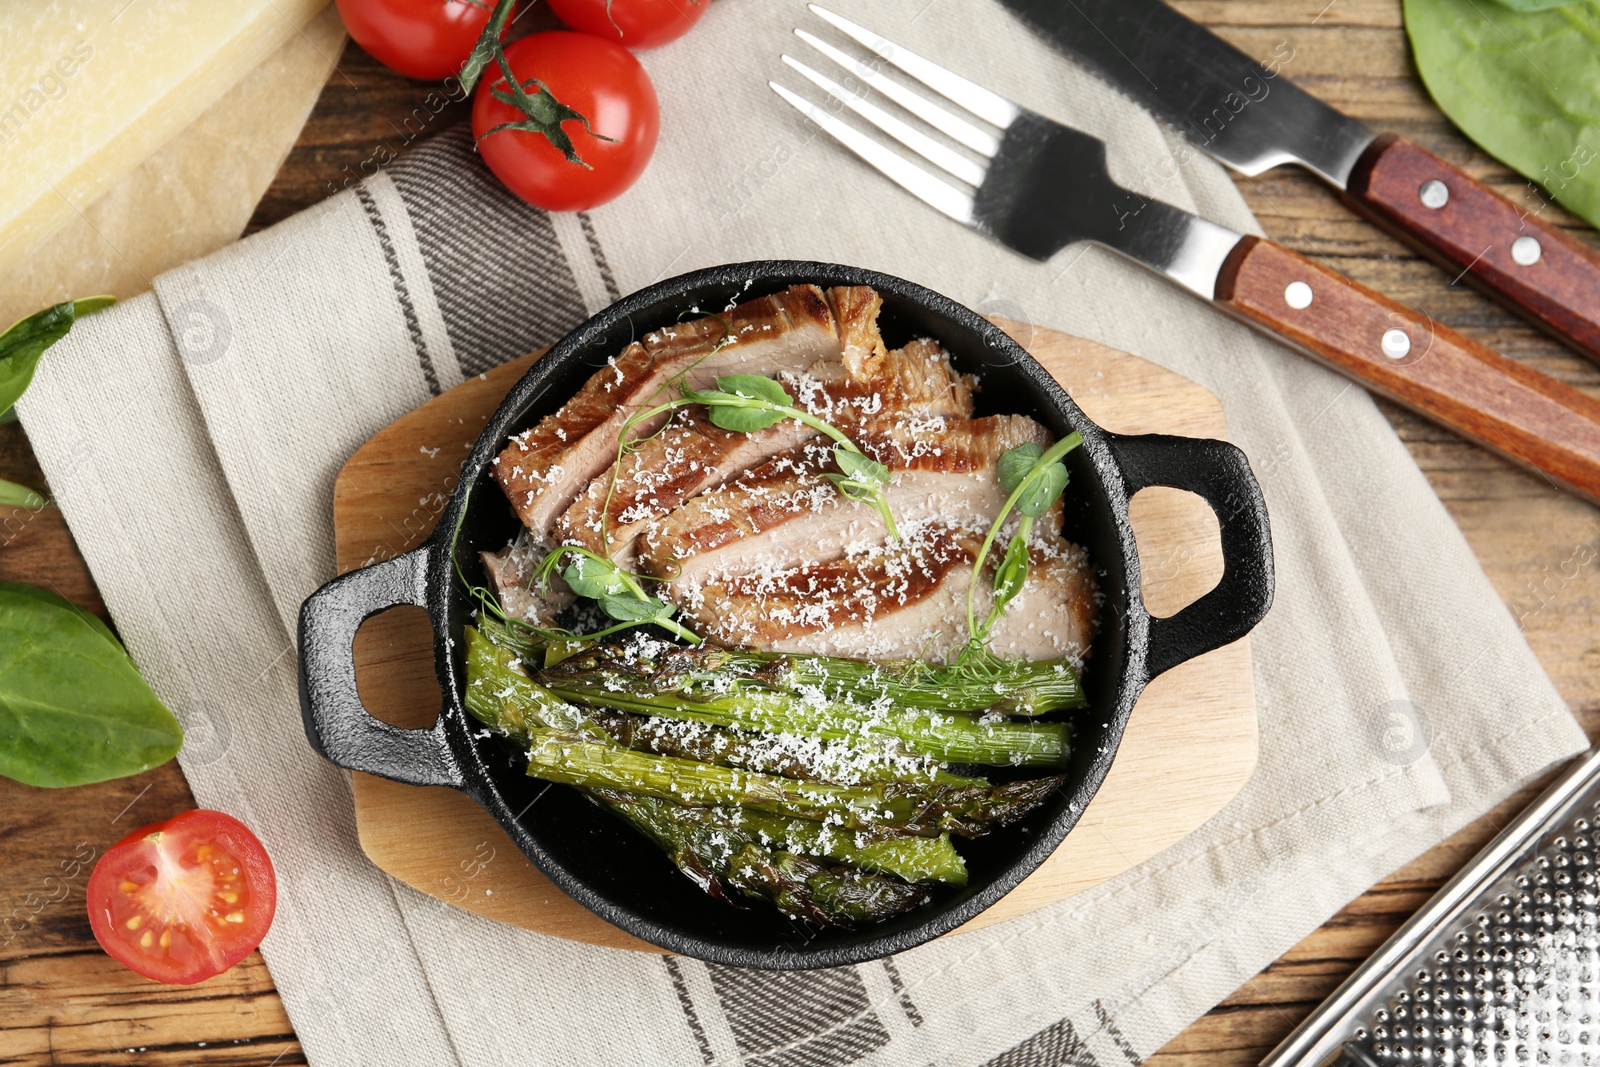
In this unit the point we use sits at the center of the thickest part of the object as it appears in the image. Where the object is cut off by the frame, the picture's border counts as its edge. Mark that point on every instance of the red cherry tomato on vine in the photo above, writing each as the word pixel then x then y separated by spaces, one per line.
pixel 427 39
pixel 631 23
pixel 597 78
pixel 183 900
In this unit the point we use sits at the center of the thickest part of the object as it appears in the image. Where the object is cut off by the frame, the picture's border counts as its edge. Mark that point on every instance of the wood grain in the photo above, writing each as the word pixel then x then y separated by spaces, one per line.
pixel 1189 749
pixel 1528 536
pixel 1528 417
pixel 1471 236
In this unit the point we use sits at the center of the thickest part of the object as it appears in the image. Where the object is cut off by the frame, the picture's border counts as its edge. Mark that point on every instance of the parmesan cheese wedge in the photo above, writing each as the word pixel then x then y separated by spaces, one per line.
pixel 91 88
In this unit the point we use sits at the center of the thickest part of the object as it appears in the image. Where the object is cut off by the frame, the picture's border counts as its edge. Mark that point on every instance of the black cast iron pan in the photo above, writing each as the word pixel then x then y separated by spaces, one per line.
pixel 604 864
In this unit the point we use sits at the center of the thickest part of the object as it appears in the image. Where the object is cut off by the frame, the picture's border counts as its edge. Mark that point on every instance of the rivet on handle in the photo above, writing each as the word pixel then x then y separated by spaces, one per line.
pixel 1525 251
pixel 1434 194
pixel 1297 295
pixel 1395 344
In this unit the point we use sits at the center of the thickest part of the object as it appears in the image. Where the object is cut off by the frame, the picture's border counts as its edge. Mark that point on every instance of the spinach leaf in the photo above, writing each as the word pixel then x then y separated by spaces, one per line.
pixel 13 495
pixel 73 708
pixel 1532 5
pixel 1523 84
pixel 23 344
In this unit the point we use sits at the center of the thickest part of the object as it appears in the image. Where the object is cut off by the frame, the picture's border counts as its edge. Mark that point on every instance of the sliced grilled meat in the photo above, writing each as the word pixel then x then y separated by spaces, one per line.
pixel 906 599
pixel 543 469
pixel 784 513
pixel 691 455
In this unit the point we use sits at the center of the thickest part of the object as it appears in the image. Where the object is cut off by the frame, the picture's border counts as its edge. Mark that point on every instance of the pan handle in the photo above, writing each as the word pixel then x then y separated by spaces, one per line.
pixel 339 727
pixel 1220 475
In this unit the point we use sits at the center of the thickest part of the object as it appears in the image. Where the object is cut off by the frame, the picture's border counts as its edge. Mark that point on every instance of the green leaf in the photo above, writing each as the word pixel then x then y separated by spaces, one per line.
pixel 1011 574
pixel 1525 85
pixel 859 468
pixel 1042 488
pixel 25 341
pixel 593 578
pixel 1014 465
pixel 627 607
pixel 755 387
pixel 13 495
pixel 544 112
pixel 853 490
pixel 738 418
pixel 1532 5
pixel 8 416
pixel 73 708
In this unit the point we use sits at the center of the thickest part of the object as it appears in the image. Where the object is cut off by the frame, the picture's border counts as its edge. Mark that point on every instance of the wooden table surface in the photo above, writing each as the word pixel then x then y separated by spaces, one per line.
pixel 63 1001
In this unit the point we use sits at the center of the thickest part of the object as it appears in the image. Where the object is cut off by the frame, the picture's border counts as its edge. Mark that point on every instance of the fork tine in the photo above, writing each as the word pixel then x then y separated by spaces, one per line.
pixel 913 179
pixel 989 106
pixel 959 129
pixel 950 162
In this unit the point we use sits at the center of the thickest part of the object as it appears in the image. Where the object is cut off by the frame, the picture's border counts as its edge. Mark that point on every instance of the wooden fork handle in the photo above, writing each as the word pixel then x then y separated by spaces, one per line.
pixel 1528 417
pixel 1543 274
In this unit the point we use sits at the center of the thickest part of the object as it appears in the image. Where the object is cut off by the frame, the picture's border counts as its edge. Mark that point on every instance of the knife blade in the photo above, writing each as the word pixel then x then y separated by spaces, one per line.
pixel 1247 115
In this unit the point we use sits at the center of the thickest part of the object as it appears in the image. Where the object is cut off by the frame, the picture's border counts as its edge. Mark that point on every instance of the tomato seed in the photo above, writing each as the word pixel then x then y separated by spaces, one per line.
pixel 133 923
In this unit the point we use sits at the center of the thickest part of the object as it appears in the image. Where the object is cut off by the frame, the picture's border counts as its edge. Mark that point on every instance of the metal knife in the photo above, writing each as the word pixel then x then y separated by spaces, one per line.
pixel 1249 116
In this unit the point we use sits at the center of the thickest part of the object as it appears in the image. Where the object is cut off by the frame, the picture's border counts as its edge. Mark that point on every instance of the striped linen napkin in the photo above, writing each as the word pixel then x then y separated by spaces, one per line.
pixel 192 436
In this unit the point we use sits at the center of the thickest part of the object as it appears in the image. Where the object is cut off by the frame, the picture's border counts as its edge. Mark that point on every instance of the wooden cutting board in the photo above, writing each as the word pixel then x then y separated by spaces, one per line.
pixel 1188 750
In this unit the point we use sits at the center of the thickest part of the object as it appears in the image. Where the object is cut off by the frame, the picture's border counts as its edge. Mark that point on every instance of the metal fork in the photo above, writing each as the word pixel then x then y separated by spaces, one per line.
pixel 1038 186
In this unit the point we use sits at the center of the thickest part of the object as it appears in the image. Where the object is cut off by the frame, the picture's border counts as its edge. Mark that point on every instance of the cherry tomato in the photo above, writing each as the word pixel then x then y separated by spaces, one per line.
pixel 183 900
pixel 631 23
pixel 601 81
pixel 419 38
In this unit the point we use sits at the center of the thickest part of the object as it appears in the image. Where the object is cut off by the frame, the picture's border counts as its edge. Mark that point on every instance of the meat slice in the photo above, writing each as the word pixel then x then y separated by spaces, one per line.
pixel 691 455
pixel 855 309
pixel 917 380
pixel 544 469
pixel 510 572
pixel 785 514
pixel 685 458
pixel 906 599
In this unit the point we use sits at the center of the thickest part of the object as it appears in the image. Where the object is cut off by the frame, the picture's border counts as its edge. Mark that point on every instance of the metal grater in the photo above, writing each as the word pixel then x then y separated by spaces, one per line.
pixel 1501 966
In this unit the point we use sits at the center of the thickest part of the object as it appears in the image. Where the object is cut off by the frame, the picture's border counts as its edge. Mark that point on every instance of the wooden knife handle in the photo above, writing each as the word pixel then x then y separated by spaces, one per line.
pixel 1528 417
pixel 1535 269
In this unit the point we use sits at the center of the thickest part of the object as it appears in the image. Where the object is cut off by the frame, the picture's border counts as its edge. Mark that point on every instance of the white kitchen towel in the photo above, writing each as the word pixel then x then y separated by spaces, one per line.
pixel 192 437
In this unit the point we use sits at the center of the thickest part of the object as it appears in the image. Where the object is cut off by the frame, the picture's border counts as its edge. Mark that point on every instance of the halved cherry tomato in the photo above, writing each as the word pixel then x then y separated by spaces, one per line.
pixel 631 23
pixel 183 900
pixel 598 79
pixel 419 38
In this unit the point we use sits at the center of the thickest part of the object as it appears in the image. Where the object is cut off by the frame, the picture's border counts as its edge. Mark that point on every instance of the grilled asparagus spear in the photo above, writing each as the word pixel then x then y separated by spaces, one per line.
pixel 714 852
pixel 1013 687
pixel 952 736
pixel 924 810
pixel 916 859
pixel 504 695
pixel 500 695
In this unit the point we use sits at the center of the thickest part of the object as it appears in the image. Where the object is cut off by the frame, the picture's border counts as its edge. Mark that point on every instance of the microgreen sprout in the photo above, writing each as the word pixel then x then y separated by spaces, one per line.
pixel 747 402
pixel 1034 478
pixel 619 593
